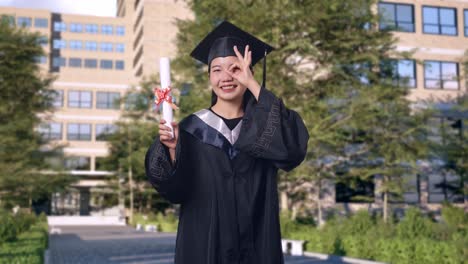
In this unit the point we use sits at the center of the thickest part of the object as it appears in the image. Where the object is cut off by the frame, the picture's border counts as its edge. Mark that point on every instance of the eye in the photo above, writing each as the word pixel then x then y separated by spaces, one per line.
pixel 235 69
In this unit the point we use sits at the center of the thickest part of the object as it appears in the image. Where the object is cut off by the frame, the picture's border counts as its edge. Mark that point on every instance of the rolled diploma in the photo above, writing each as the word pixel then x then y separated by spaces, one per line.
pixel 165 76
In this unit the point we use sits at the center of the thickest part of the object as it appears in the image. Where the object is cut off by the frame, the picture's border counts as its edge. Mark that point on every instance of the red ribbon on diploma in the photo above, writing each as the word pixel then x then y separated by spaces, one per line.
pixel 162 94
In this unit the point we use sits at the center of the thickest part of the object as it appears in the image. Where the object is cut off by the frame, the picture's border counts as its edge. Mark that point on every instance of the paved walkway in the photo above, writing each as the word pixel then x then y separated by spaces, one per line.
pixel 103 245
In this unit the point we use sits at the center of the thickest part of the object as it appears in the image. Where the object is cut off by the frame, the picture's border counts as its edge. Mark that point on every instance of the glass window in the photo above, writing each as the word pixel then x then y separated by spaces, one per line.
pixel 59 43
pixel 41 22
pixel 91 28
pixel 51 131
pixel 80 99
pixel 103 131
pixel 399 72
pixel 43 41
pixel 107 100
pixel 91 45
pixel 440 75
pixel 23 21
pixel 75 27
pixel 107 29
pixel 134 100
pixel 90 63
pixel 445 187
pixel 106 46
pixel 74 62
pixel 398 17
pixel 60 26
pixel 120 30
pixel 8 19
pixel 78 163
pixel 355 191
pixel 79 132
pixel 106 64
pixel 76 44
pixel 466 22
pixel 119 65
pixel 120 47
pixel 40 59
pixel 439 20
pixel 59 62
pixel 57 98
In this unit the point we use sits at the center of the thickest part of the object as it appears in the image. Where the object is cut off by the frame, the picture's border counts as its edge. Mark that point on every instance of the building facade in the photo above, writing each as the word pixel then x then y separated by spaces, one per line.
pixel 96 60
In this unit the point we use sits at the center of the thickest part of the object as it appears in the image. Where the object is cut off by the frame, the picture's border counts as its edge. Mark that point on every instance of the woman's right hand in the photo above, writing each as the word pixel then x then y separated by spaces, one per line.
pixel 165 134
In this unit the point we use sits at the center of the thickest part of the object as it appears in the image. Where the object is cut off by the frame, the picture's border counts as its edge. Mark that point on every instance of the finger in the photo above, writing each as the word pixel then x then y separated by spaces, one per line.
pixel 246 53
pixel 167 139
pixel 230 74
pixel 162 121
pixel 239 56
pixel 249 58
pixel 174 124
pixel 165 133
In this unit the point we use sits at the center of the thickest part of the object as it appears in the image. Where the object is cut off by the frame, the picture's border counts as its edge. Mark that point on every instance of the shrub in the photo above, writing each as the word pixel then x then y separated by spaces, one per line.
pixel 8 229
pixel 414 225
pixel 29 247
pixel 23 221
pixel 454 217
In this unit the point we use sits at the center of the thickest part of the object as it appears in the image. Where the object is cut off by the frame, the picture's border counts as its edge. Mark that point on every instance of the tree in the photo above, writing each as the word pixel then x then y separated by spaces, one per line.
pixel 325 66
pixel 25 94
pixel 136 131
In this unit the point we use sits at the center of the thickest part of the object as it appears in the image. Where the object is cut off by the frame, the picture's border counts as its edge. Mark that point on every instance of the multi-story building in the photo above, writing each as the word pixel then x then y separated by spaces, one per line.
pixel 96 60
pixel 436 33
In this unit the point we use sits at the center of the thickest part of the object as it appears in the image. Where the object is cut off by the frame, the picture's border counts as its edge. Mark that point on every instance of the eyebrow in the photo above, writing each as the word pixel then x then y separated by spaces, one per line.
pixel 216 65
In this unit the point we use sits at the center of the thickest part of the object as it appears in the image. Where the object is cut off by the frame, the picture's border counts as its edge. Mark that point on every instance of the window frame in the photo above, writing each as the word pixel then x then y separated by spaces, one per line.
pixel 94 28
pixel 80 100
pixel 107 131
pixel 87 65
pixel 117 63
pixel 73 44
pixel 107 29
pixel 396 28
pixel 441 81
pixel 74 62
pixel 79 136
pixel 23 19
pixel 120 30
pixel 107 104
pixel 76 27
pixel 465 22
pixel 88 45
pixel 102 63
pixel 62 61
pixel 59 26
pixel 39 22
pixel 59 94
pixel 43 130
pixel 439 25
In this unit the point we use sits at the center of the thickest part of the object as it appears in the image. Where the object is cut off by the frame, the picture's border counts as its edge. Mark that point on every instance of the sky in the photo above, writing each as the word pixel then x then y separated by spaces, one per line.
pixel 82 7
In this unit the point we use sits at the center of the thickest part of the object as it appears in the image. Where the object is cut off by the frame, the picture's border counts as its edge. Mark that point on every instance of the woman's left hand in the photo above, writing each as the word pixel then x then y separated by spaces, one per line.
pixel 241 71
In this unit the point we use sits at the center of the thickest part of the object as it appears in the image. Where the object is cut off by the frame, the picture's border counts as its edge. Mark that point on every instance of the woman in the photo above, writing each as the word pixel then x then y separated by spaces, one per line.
pixel 221 165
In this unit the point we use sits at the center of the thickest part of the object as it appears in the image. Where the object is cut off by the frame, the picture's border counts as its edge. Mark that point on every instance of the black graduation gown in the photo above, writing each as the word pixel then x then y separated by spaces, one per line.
pixel 226 182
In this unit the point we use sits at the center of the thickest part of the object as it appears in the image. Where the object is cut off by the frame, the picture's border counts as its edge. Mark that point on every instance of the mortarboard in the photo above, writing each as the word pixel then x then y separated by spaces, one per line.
pixel 221 41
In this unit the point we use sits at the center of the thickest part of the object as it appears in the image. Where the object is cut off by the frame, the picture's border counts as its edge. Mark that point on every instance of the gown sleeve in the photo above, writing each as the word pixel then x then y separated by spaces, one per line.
pixel 166 178
pixel 273 132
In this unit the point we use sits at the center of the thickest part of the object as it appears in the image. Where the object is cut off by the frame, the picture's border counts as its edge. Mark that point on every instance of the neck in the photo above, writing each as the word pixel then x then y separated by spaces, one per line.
pixel 228 109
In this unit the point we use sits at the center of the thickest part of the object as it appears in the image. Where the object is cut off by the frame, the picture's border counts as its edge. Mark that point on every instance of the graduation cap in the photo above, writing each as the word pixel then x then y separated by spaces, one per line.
pixel 221 41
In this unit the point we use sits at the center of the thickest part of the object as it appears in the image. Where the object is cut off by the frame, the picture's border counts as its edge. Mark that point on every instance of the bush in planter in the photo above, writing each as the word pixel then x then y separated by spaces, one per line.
pixel 24 221
pixel 415 225
pixel 454 217
pixel 8 231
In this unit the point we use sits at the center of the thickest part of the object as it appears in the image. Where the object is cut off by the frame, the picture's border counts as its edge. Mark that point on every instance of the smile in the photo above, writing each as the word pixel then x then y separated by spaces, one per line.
pixel 228 87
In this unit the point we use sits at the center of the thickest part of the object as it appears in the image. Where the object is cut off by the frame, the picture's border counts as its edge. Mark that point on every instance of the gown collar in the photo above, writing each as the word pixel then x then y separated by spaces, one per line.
pixel 218 124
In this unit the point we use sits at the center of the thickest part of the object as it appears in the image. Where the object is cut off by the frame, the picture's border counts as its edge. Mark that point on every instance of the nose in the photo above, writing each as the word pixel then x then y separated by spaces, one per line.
pixel 225 77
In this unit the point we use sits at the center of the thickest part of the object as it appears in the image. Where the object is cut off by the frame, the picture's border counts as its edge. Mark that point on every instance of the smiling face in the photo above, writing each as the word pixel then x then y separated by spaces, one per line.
pixel 223 85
